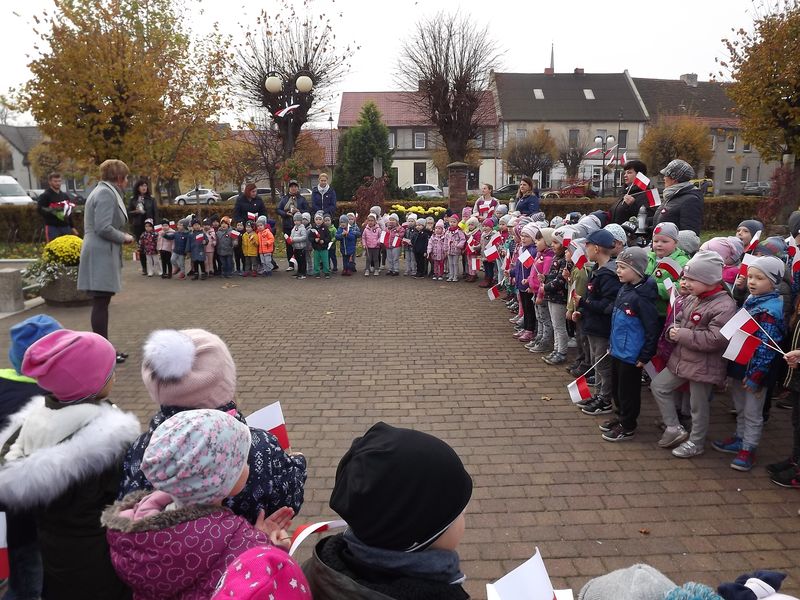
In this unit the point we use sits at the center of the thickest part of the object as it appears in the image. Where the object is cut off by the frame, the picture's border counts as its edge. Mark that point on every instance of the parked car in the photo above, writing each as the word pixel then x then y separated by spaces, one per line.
pixel 709 183
pixel 579 189
pixel 11 192
pixel 507 191
pixel 77 196
pixel 34 194
pixel 205 195
pixel 426 190
pixel 756 188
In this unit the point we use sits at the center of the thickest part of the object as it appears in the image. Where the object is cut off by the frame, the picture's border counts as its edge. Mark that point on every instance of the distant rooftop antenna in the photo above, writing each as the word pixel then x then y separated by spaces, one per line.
pixel 552 59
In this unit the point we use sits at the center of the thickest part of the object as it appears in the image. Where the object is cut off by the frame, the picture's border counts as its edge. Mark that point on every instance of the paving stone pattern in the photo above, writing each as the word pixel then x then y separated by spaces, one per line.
pixel 341 354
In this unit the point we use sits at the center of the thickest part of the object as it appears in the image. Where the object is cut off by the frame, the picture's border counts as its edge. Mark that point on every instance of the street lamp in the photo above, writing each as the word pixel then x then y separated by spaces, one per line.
pixel 330 122
pixel 603 144
pixel 289 93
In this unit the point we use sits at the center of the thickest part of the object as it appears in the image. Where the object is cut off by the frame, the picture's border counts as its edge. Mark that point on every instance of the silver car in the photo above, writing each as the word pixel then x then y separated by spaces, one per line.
pixel 426 190
pixel 205 195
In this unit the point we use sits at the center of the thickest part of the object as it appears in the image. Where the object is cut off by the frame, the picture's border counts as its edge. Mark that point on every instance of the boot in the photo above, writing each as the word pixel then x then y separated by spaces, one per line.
pixel 485 283
pixel 526 337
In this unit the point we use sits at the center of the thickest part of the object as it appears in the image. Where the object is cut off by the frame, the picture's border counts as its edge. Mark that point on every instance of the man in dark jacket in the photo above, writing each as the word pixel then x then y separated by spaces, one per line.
pixel 682 201
pixel 248 202
pixel 53 206
pixel 629 204
pixel 287 207
pixel 323 197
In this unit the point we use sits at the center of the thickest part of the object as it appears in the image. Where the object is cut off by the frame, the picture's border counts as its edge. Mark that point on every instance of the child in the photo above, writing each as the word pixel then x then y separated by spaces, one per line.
pixel 394 239
pixel 299 240
pixel 148 243
pixel 730 249
pixel 332 260
pixel 594 310
pixel 210 247
pixel 261 572
pixel 419 246
pixel 266 245
pixel 697 356
pixel 226 242
pixel 487 235
pixel 61 456
pixel 346 234
pixel 411 264
pixel 522 277
pixel 543 340
pixel 748 383
pixel 197 250
pixel 238 253
pixel 403 494
pixel 195 459
pixel 370 238
pixel 437 250
pixel 554 286
pixel 747 229
pixel 634 335
pixel 455 240
pixel 307 222
pixel 250 250
pixel 180 246
pixel 577 279
pixel 320 237
pixel 164 247
pixel 661 260
pixel 472 249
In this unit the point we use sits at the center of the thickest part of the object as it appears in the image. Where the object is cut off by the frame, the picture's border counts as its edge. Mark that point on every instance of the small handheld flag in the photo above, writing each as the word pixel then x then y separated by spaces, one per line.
pixel 670 266
pixel 493 292
pixel 741 321
pixel 4 566
pixel 270 418
pixel 747 260
pixel 641 181
pixel 251 216
pixel 474 263
pixel 579 390
pixel 382 237
pixel 526 258
pixel 158 228
pixel 199 237
pixel 741 347
pixel 754 242
pixel 491 253
pixel 235 233
pixel 653 198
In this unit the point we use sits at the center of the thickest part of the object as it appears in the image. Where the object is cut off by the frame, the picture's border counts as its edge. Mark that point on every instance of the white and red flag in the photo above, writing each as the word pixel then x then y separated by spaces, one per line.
pixel 270 418
pixel 475 263
pixel 653 198
pixel 4 568
pixel 285 111
pixel 493 292
pixel 610 151
pixel 235 233
pixel 669 266
pixel 670 287
pixel 579 257
pixel 199 237
pixel 507 265
pixel 172 224
pixel 158 228
pixel 495 239
pixel 579 390
pixel 568 232
pixel 383 237
pixel 655 366
pixel 641 181
pixel 754 242
pixel 741 321
pixel 747 260
pixel 593 152
pixel 741 347
pixel 396 241
pixel 526 258
pixel 252 216
pixel 491 253
pixel 794 254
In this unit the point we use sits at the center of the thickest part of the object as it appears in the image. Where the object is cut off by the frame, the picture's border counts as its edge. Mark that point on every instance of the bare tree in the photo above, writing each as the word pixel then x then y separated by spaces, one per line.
pixel 570 154
pixel 447 61
pixel 268 147
pixel 533 153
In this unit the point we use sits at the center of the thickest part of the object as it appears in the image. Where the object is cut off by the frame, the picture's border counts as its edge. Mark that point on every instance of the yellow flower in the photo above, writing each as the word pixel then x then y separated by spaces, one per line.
pixel 64 250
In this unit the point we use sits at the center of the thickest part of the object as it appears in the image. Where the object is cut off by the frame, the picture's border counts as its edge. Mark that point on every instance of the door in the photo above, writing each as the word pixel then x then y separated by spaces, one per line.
pixel 420 172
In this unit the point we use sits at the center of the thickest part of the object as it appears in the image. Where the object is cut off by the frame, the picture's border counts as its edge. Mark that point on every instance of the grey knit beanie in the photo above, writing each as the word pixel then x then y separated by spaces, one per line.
pixel 771 266
pixel 635 258
pixel 618 232
pixel 668 229
pixel 688 241
pixel 639 582
pixel 752 225
pixel 705 267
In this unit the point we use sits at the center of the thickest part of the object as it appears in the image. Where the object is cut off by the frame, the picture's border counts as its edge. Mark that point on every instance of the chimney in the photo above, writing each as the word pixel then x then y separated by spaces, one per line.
pixel 578 71
pixel 549 71
pixel 689 79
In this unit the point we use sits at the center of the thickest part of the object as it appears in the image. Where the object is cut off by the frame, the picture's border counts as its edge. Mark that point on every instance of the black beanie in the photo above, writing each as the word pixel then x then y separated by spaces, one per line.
pixel 400 489
pixel 794 223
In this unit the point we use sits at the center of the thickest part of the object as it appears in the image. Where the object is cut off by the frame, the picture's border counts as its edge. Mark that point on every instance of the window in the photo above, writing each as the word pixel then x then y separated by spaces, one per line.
pixel 545 176
pixel 392 140
pixel 731 143
pixel 473 176
pixel 521 134
pixel 713 142
pixel 588 94
pixel 745 174
pixel 746 147
pixel 623 139
pixel 479 140
pixel 573 138
pixel 419 140
pixel 538 94
pixel 420 172
pixel 602 133
pixel 728 174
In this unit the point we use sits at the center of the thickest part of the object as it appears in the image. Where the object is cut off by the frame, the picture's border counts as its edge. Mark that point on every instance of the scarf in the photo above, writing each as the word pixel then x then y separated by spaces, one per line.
pixel 323 190
pixel 671 190
pixel 433 564
pixel 453 228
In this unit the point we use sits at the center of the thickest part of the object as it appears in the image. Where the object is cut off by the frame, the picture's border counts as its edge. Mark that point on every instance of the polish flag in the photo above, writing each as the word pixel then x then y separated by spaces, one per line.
pixel 623 158
pixel 285 111
pixel 655 366
pixel 794 254
pixel 669 265
pixel 158 228
pixel 304 531
pixel 741 321
pixel 270 418
pixel 493 292
pixel 491 253
pixel 741 347
pixel 4 568
pixel 747 260
pixel 382 237
pixel 653 198
pixel 670 287
pixel 252 216
pixel 579 390
pixel 610 151
pixel 593 152
pixel 235 233
pixel 495 239
pixel 293 262
pixel 507 265
pixel 475 263
pixel 526 258
pixel 641 181
pixel 754 242
pixel 199 237
pixel 396 241
pixel 172 224
pixel 579 258
pixel 568 233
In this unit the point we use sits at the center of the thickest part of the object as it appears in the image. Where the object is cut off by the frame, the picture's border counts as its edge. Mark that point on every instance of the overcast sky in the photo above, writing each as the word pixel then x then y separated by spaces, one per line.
pixel 650 38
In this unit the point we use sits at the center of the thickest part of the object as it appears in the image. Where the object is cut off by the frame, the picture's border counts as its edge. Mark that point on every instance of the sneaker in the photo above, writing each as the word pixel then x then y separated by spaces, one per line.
pixel 590 380
pixel 327 275
pixel 600 407
pixel 302 277
pixel 784 465
pixel 576 371
pixel 618 434
pixel 731 445
pixel 556 358
pixel 318 276
pixel 744 460
pixel 518 333
pixel 587 402
pixel 513 319
pixel 608 425
pixel 788 478
pixel 687 450
pixel 366 273
pixel 572 343
pixel 290 268
pixel 541 348
pixel 784 403
pixel 673 436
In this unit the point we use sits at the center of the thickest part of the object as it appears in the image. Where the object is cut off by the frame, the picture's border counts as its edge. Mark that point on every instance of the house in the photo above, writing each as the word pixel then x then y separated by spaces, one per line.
pixel 574 108
pixel 20 141
pixel 734 162
pixel 414 138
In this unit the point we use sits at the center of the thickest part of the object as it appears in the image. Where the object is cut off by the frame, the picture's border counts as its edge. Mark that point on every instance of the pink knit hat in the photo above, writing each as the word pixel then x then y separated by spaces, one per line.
pixel 262 573
pixel 191 368
pixel 71 365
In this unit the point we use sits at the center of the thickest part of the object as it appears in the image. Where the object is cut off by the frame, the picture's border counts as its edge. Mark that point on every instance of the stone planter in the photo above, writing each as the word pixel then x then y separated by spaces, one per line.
pixel 64 292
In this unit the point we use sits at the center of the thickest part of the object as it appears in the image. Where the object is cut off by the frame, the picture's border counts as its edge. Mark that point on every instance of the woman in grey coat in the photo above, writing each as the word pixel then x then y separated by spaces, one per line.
pixel 104 217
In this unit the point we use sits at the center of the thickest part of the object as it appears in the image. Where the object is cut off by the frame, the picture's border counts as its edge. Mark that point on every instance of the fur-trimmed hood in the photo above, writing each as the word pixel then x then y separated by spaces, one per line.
pixel 45 474
pixel 112 519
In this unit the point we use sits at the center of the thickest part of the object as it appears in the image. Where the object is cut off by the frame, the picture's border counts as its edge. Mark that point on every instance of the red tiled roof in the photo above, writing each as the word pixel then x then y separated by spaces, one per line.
pixel 328 139
pixel 396 110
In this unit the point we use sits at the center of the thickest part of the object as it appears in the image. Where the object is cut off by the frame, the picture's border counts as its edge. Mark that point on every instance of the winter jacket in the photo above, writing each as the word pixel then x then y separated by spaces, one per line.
pixel 150 211
pixel 437 247
pixel 104 223
pixel 334 575
pixel 211 235
pixel 66 486
pixel 197 246
pixel 528 205
pixel 598 303
pixel 286 214
pixel 634 323
pixel 740 294
pixel 454 241
pixel 578 280
pixel 319 237
pixel 792 380
pixel 370 236
pixel 325 202
pixel 276 478
pixel 555 286
pixel 244 205
pixel 250 244
pixel 225 242
pixel 177 554
pixel 299 237
pixel 394 237
pixel 698 350
pixel 660 275
pixel 180 243
pixel 472 244
pixel 767 311
pixel 16 391
pixel 621 212
pixel 519 272
pixel 266 241
pixel 541 266
pixel 166 239
pixel 348 238
pixel 148 242
pixel 419 241
pixel 685 209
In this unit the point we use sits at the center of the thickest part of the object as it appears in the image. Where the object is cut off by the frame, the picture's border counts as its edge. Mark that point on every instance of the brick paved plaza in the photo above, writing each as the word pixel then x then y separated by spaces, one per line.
pixel 345 353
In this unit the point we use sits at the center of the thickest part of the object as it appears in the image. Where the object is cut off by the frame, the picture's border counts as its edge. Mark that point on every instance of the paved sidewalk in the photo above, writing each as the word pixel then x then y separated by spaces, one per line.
pixel 345 353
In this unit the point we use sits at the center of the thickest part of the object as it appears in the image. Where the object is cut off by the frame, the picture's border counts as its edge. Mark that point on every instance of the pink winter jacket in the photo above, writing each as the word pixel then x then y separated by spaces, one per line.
pixel 370 237
pixel 175 554
pixel 541 265
pixel 163 243
pixel 454 241
pixel 437 247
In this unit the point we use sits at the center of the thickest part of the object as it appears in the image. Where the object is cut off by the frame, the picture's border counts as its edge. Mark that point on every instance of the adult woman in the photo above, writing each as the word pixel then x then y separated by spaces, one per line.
pixel 141 207
pixel 486 204
pixel 100 270
pixel 323 197
pixel 683 202
pixel 248 202
pixel 527 202
pixel 629 204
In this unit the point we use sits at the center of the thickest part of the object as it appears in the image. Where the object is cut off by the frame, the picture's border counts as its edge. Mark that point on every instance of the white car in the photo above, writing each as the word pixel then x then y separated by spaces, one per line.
pixel 11 192
pixel 426 190
pixel 205 195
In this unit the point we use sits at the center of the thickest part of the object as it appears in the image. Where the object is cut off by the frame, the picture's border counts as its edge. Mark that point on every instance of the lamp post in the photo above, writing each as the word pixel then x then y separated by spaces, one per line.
pixel 290 94
pixel 330 122
pixel 616 155
pixel 603 144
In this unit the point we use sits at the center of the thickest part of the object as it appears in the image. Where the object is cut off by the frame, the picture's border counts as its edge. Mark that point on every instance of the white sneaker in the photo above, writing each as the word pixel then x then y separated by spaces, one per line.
pixel 687 450
pixel 366 273
pixel 672 437
pixel 572 343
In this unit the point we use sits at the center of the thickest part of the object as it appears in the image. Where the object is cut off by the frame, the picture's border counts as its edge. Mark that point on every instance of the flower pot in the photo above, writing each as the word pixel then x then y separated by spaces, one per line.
pixel 64 292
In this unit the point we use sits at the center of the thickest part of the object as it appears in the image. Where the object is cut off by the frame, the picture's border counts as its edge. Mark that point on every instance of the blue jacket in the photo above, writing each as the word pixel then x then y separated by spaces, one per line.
pixel 181 242
pixel 767 311
pixel 634 322
pixel 348 242
pixel 520 272
pixel 197 248
pixel 528 205
pixel 276 478
pixel 325 202
pixel 598 303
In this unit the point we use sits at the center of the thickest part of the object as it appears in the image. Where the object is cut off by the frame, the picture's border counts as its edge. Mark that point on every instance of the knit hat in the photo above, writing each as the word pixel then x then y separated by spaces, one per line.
pixel 439 223
pixel 261 220
pixel 505 220
pixel 293 182
pixel 692 591
pixel 729 248
pixel 705 267
pixel 635 258
pixel 601 238
pixel 191 368
pixel 411 217
pixel 772 246
pixel 343 220
pixel 637 582
pixel 794 223
pixel 679 170
pixel 400 489
pixel 556 222
pixel 319 214
pixel 760 585
pixel 466 212
pixel 547 234
pixel 472 221
pixel 540 217
pixel 372 216
pixel 771 266
pixel 25 333
pixel 752 225
pixel 688 241
pixel 502 209
pixel 71 365
pixel 197 456
pixel 376 210
pixel 667 229
pixel 618 232
pixel 297 217
pixel 261 573
pixel 488 222
pixel 529 229
pixel 602 217
pixel 306 216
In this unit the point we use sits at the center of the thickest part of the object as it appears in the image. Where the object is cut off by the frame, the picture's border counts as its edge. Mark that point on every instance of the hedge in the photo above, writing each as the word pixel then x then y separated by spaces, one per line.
pixel 23 224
